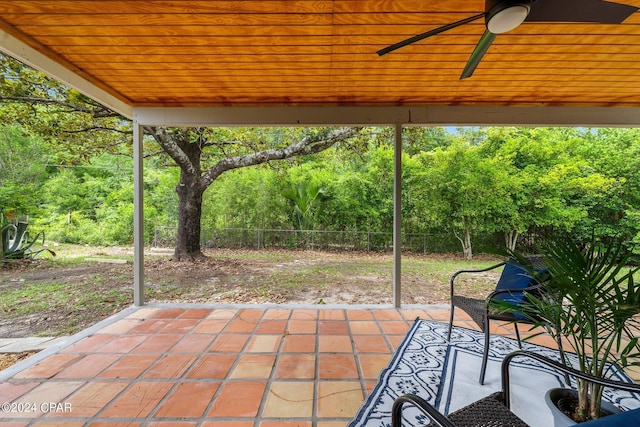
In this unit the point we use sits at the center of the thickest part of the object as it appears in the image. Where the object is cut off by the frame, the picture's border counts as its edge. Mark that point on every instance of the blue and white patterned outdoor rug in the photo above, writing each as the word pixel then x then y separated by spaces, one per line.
pixel 447 377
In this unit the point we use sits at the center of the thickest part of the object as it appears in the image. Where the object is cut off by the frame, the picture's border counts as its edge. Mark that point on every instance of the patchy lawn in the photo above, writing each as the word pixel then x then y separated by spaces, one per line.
pixel 83 285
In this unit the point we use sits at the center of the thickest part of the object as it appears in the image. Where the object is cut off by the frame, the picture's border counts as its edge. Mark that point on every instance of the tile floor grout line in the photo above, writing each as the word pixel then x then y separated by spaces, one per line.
pixel 259 417
pixel 201 355
pixel 140 377
pixel 236 350
pixel 265 393
pixel 12 371
pixel 182 379
pixel 378 323
pixel 133 381
pixel 356 356
pixel 316 379
pixel 96 378
pixel 224 381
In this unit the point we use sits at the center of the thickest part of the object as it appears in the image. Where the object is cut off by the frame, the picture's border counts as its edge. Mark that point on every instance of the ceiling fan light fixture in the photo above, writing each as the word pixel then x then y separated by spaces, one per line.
pixel 503 16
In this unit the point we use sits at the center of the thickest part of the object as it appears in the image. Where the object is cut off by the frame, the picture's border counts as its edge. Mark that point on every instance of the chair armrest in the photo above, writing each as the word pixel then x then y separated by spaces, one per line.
pixel 482 270
pixel 432 413
pixel 606 382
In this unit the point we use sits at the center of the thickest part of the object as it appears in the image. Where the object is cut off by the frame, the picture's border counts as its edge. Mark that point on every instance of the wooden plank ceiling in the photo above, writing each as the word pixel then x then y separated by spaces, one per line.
pixel 322 53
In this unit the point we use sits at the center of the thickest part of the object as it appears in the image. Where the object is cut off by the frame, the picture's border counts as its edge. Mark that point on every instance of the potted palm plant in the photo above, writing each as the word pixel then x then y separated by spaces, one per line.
pixel 590 300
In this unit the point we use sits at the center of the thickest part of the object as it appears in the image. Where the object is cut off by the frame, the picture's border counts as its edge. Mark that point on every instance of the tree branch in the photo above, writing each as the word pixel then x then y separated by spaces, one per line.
pixel 308 145
pixel 94 110
pixel 99 128
pixel 168 144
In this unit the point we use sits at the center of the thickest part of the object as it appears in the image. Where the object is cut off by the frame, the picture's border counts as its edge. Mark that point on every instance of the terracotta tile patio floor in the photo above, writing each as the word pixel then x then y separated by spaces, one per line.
pixel 212 366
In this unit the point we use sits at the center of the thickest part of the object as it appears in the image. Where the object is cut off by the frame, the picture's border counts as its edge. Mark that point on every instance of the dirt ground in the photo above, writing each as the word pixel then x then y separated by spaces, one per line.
pixel 9 359
pixel 224 277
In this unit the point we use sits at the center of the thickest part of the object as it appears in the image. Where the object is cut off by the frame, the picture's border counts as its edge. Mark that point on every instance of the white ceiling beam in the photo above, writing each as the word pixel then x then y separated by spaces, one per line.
pixel 371 116
pixel 35 59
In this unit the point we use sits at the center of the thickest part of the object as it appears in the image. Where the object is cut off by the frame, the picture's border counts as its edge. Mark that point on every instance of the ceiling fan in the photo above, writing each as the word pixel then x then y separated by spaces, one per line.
pixel 504 15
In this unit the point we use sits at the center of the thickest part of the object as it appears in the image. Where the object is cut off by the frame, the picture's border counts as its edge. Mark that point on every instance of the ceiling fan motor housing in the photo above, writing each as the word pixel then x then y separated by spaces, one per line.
pixel 505 15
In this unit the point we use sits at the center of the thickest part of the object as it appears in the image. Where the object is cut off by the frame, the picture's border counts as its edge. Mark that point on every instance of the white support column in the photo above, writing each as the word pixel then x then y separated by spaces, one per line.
pixel 397 216
pixel 138 216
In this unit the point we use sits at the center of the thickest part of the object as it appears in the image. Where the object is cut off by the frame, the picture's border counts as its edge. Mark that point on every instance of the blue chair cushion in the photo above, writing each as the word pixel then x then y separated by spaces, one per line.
pixel 513 277
pixel 626 419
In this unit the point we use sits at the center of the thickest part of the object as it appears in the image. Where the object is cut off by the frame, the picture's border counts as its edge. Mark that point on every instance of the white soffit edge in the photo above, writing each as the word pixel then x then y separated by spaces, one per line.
pixel 371 116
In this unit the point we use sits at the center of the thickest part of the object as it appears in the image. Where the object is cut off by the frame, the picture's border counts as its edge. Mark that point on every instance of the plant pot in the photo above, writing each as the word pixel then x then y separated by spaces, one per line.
pixel 556 395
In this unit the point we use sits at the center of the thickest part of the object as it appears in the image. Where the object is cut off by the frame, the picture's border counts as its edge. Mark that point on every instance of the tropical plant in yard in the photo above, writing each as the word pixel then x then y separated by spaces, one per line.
pixel 304 196
pixel 592 302
pixel 15 243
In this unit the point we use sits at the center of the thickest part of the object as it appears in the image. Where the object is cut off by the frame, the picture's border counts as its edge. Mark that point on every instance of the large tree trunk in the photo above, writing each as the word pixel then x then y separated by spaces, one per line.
pixel 189 214
pixel 190 190
pixel 185 147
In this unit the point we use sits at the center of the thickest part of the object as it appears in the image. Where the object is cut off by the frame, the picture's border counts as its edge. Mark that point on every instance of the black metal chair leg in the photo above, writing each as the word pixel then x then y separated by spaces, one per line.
pixel 485 353
pixel 450 323
pixel 515 325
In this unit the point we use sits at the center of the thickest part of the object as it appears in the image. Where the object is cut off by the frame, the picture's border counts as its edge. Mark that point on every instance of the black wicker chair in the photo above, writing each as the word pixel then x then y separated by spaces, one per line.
pixel 493 410
pixel 514 282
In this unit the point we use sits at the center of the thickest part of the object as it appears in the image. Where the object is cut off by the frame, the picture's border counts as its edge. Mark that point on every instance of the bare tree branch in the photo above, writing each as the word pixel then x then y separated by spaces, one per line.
pixel 95 111
pixel 308 145
pixel 168 144
pixel 99 128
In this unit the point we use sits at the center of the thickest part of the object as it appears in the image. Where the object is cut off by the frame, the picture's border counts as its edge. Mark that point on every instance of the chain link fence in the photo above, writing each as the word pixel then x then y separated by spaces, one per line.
pixel 243 238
